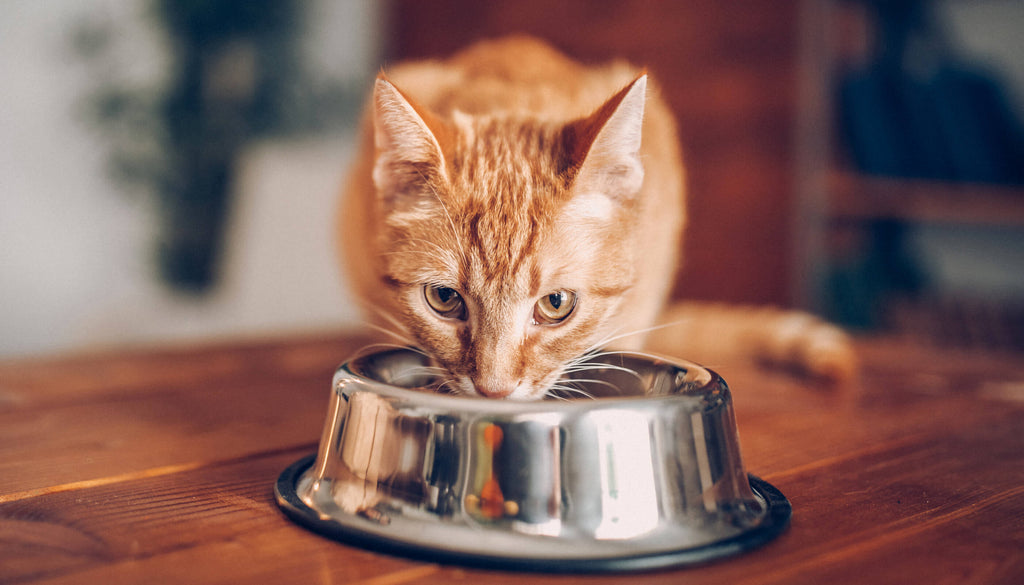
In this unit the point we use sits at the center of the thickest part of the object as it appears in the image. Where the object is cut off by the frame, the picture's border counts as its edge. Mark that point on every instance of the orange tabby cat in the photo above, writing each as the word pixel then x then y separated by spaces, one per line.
pixel 512 210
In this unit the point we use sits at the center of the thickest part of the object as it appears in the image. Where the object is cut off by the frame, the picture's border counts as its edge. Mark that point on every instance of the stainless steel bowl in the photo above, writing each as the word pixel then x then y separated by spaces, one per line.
pixel 647 474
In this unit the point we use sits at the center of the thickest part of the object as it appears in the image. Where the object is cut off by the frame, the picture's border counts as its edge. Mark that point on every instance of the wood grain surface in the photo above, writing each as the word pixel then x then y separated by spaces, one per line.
pixel 158 467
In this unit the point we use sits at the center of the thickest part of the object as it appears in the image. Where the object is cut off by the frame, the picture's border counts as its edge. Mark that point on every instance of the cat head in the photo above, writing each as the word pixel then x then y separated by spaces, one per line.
pixel 506 239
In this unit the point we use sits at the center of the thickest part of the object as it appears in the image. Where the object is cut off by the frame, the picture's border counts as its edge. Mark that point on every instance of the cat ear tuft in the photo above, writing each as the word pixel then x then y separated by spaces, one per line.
pixel 606 145
pixel 406 138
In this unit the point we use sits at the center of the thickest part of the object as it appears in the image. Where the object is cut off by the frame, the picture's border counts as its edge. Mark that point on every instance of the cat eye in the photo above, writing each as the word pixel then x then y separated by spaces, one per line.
pixel 445 301
pixel 554 308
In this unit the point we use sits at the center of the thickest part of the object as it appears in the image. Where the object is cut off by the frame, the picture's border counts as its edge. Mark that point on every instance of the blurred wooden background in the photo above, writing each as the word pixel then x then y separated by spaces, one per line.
pixel 729 72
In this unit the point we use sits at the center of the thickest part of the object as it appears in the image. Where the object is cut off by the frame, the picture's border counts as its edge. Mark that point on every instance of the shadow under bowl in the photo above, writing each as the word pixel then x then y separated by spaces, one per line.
pixel 645 475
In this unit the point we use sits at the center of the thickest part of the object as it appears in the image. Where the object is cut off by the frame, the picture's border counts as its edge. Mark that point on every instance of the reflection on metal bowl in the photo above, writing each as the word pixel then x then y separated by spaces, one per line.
pixel 645 475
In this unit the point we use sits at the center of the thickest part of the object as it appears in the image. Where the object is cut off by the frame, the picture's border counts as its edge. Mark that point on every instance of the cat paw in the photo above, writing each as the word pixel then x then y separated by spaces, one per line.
pixel 828 353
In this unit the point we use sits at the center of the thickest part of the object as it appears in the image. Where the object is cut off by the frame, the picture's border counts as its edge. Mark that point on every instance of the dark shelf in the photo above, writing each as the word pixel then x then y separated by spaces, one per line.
pixel 855 197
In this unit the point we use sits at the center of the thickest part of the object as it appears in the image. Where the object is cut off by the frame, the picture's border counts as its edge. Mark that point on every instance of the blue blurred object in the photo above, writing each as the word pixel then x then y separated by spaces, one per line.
pixel 918 111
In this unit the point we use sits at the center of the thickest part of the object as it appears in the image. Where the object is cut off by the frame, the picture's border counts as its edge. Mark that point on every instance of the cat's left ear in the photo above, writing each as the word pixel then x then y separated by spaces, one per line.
pixel 408 141
pixel 605 146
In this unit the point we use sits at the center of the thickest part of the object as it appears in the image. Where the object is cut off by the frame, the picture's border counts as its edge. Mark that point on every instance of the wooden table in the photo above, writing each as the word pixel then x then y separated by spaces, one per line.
pixel 158 467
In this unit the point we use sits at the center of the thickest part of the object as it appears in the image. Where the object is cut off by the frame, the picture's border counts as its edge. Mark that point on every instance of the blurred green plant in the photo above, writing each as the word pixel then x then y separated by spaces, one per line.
pixel 235 72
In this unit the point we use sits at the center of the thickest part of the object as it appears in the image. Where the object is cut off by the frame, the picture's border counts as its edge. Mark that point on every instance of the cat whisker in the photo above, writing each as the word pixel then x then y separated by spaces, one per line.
pixel 596 381
pixel 445 386
pixel 585 366
pixel 617 352
pixel 629 352
pixel 371 307
pixel 618 335
pixel 558 390
pixel 554 396
pixel 398 324
pixel 432 372
pixel 557 393
pixel 405 341
pixel 399 332
pixel 370 348
pixel 425 369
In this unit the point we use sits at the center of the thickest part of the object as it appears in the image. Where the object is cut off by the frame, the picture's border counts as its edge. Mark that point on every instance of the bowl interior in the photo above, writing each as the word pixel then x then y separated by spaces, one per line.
pixel 608 375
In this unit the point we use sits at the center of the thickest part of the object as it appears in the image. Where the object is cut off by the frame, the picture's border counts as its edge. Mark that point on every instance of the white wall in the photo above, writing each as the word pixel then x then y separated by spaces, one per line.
pixel 75 250
pixel 990 31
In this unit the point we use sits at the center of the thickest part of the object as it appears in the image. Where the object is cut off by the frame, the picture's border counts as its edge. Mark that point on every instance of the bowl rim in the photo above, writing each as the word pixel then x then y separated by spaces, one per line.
pixel 710 388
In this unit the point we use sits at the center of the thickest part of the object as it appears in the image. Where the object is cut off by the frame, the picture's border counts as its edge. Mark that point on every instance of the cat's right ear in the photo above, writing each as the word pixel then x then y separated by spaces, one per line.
pixel 408 141
pixel 604 147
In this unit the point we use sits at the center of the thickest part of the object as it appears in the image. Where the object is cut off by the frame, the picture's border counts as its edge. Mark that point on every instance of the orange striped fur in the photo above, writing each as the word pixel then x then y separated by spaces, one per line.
pixel 500 177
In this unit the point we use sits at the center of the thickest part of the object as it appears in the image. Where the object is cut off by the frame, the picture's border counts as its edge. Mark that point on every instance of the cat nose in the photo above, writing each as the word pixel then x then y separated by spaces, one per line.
pixel 495 391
